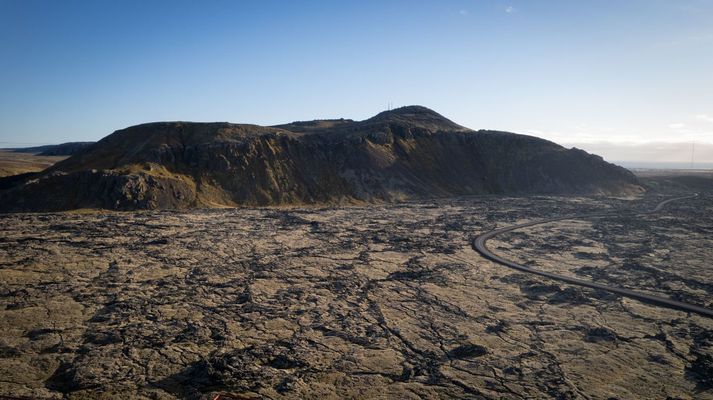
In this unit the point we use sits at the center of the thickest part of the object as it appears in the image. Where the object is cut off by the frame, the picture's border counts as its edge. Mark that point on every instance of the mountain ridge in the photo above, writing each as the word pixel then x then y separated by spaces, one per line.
pixel 62 149
pixel 407 153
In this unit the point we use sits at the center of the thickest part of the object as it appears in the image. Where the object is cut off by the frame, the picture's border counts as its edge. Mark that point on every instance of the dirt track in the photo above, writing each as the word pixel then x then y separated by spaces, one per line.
pixel 480 245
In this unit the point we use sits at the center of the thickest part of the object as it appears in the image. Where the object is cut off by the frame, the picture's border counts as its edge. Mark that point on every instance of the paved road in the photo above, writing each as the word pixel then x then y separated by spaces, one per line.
pixel 480 245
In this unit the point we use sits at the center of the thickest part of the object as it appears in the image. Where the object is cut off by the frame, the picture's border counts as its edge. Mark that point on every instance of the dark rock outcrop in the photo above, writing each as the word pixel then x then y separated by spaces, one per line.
pixel 411 152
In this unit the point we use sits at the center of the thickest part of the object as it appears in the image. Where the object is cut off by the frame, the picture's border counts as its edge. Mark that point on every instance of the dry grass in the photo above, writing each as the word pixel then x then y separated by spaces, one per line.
pixel 12 163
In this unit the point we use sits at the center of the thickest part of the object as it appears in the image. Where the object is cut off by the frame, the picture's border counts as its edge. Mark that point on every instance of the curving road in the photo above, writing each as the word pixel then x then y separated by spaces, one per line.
pixel 480 245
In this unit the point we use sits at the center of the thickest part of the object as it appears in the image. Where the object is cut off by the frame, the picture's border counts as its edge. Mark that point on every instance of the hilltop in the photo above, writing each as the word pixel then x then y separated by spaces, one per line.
pixel 402 154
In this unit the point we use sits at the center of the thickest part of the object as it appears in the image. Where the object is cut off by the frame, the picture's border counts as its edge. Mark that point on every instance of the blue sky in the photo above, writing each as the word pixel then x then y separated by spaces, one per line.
pixel 620 72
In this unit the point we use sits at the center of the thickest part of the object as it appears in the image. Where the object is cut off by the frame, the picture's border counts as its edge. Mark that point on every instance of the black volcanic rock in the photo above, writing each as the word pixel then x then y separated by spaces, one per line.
pixel 407 153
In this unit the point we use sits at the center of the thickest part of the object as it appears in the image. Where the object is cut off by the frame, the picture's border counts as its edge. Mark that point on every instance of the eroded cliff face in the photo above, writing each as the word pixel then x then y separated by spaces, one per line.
pixel 407 153
pixel 108 189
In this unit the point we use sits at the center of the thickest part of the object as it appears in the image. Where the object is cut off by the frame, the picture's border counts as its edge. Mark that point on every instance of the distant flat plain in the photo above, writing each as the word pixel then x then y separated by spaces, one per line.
pixel 14 163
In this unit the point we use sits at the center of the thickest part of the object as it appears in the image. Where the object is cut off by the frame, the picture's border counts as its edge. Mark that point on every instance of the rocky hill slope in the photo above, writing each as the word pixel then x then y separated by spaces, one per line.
pixel 407 153
pixel 62 149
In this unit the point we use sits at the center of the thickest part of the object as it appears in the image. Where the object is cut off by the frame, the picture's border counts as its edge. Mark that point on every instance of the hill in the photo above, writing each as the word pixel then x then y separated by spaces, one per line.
pixel 407 153
pixel 62 149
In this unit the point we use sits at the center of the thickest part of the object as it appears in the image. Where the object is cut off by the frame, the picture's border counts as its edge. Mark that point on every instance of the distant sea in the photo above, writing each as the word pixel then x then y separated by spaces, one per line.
pixel 663 165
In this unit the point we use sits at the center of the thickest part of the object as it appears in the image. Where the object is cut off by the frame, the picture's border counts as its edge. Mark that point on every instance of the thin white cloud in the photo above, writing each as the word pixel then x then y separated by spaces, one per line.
pixel 586 134
pixel 692 128
pixel 577 135
pixel 672 152
pixel 705 39
pixel 704 117
pixel 463 12
pixel 510 9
